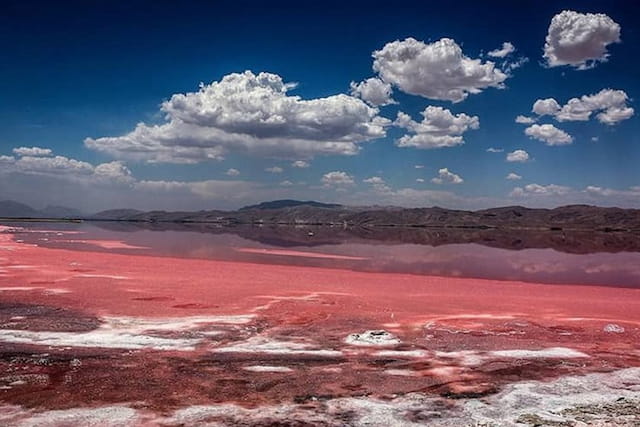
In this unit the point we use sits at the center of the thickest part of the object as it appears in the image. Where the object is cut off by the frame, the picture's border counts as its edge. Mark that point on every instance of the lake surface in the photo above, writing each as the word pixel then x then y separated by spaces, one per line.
pixel 147 324
pixel 605 259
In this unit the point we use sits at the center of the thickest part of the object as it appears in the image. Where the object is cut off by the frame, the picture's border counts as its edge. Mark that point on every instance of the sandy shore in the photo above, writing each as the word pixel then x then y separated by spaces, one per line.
pixel 144 339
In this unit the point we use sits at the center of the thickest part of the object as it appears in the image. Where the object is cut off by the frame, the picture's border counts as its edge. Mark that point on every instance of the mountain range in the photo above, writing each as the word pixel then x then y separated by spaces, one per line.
pixel 293 212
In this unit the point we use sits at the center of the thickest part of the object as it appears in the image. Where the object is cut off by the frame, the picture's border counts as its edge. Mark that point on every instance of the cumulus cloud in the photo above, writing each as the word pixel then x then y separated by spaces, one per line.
pixel 32 151
pixel 438 128
pixel 377 183
pixel 301 164
pixel 337 179
pixel 232 172
pixel 494 150
pixel 252 114
pixel 41 162
pixel 418 166
pixel 520 156
pixel 611 105
pixel 419 180
pixel 550 134
pixel 437 70
pixel 373 91
pixel 579 40
pixel 513 176
pixel 544 107
pixel 525 120
pixel 506 49
pixel 540 190
pixel 274 169
pixel 447 177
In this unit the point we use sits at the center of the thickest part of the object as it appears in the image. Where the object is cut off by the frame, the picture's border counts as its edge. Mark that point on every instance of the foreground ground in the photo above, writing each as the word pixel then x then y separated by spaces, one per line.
pixel 128 339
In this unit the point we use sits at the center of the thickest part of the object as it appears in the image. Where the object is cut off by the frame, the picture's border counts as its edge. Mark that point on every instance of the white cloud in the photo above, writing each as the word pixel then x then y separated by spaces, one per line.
pixel 374 180
pixel 506 49
pixel 274 169
pixel 419 166
pixel 544 107
pixel 438 128
pixel 58 165
pixel 513 176
pixel 373 91
pixel 419 180
pixel 32 151
pixel 595 138
pixel 437 70
pixel 445 176
pixel 300 164
pixel 510 66
pixel 579 40
pixel 520 156
pixel 114 172
pixel 549 134
pixel 540 190
pixel 337 179
pixel 613 115
pixel 251 114
pixel 494 150
pixel 286 183
pixel 612 105
pixel 64 168
pixel 525 120
pixel 232 172
pixel 377 183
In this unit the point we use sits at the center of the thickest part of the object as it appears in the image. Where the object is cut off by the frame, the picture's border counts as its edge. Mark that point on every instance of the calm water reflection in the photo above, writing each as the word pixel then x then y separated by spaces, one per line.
pixel 545 257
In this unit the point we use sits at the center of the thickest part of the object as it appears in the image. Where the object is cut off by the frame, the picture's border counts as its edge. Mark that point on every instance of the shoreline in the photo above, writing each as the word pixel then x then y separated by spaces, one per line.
pixel 208 332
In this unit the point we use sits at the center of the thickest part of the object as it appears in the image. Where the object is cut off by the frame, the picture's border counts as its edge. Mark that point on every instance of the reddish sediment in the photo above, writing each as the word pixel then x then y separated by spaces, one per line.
pixel 81 328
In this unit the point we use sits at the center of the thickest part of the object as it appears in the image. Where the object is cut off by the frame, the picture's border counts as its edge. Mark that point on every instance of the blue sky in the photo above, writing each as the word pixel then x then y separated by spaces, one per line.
pixel 78 70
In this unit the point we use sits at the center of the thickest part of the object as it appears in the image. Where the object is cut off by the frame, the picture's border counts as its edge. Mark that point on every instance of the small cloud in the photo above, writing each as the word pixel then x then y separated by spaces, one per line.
pixel 378 184
pixel 549 134
pixel 300 164
pixel 520 156
pixel 495 150
pixel 373 91
pixel 610 105
pixel 438 128
pixel 540 190
pixel 507 48
pixel 337 179
pixel 513 177
pixel 419 166
pixel 374 180
pixel 595 138
pixel 232 172
pixel 419 180
pixel 286 183
pixel 525 120
pixel 274 169
pixel 32 151
pixel 445 176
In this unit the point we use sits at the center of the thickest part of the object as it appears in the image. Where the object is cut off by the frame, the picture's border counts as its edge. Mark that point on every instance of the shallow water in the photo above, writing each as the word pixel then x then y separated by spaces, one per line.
pixel 611 260
pixel 117 324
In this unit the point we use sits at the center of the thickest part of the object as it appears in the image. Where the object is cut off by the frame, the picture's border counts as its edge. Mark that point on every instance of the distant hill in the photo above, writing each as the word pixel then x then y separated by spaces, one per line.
pixel 61 212
pixel 115 214
pixel 293 212
pixel 574 217
pixel 287 203
pixel 11 209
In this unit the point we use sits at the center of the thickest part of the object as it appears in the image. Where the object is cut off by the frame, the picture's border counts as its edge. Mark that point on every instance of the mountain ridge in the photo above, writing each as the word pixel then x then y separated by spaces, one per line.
pixel 294 212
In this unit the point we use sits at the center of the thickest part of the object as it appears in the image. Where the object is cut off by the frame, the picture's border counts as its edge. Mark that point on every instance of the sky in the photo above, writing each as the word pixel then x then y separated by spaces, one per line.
pixel 216 105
